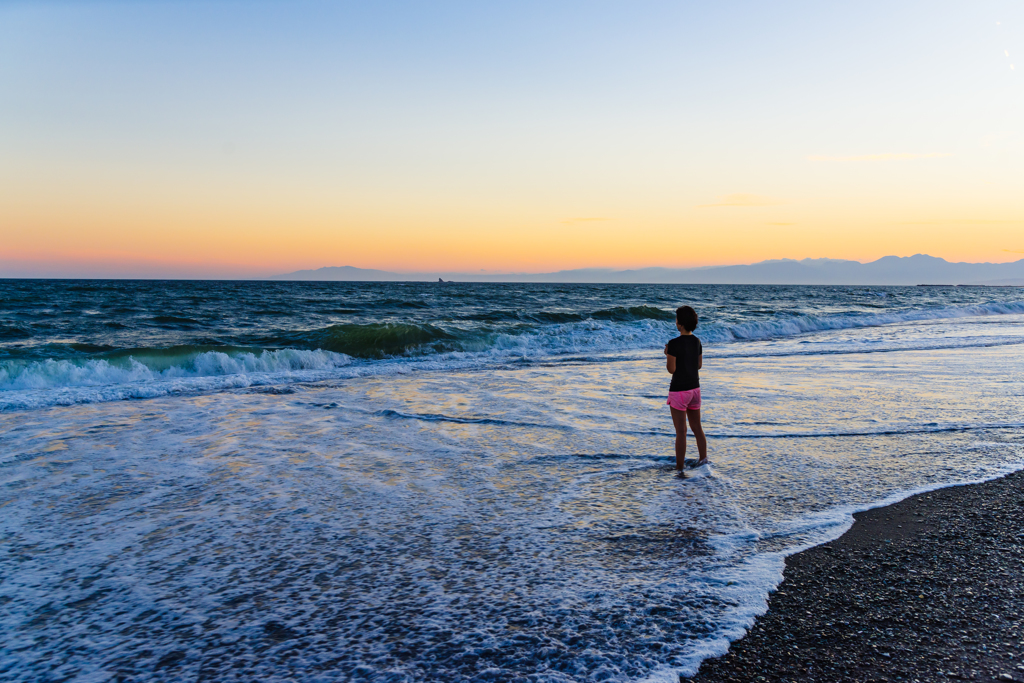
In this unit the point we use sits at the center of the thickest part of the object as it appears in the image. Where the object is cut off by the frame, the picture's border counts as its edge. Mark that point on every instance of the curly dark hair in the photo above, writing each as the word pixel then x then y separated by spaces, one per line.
pixel 687 317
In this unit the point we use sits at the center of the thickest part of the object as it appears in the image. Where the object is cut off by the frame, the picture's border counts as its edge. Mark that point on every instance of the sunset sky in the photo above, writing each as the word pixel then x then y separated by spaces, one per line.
pixel 244 139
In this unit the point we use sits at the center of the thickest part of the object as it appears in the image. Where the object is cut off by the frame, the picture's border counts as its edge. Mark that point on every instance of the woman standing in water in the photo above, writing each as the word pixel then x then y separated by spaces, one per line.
pixel 685 356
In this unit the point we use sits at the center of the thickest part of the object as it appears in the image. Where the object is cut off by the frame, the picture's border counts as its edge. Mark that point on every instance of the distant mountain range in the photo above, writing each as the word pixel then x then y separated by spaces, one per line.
pixel 889 270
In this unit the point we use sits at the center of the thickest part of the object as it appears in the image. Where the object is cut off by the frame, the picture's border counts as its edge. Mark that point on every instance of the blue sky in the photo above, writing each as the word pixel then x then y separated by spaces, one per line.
pixel 249 137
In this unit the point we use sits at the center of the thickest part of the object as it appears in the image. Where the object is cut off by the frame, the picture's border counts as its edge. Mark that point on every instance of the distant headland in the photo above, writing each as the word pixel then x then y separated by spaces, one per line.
pixel 919 269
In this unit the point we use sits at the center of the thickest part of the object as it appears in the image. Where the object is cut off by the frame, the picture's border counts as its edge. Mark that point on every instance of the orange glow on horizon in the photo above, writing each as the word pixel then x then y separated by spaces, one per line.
pixel 156 220
pixel 255 246
pixel 253 236
pixel 503 138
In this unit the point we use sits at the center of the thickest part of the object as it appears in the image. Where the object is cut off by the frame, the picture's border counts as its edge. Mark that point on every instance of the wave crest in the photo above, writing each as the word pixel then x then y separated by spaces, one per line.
pixel 806 324
pixel 376 340
pixel 625 314
pixel 391 347
pixel 50 373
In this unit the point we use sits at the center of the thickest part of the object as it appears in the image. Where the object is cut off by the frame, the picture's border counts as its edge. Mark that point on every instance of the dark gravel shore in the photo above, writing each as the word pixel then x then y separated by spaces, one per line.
pixel 929 589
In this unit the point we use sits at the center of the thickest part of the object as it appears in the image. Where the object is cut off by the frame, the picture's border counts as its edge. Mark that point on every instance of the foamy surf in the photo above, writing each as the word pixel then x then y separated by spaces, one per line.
pixel 342 351
pixel 460 515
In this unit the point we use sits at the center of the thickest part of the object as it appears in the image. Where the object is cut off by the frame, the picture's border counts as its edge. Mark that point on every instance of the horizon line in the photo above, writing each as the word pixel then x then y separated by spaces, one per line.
pixel 378 274
pixel 613 269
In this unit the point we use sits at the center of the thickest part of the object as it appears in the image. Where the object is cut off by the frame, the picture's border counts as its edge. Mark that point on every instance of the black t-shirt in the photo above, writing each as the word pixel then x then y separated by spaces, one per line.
pixel 687 349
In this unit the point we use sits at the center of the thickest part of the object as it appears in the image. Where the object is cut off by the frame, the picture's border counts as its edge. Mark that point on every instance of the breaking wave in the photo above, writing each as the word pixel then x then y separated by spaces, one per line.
pixel 343 349
pixel 153 365
pixel 805 324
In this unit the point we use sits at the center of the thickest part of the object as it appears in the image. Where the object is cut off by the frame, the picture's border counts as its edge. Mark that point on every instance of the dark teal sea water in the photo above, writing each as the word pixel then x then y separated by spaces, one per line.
pixel 412 481
pixel 79 341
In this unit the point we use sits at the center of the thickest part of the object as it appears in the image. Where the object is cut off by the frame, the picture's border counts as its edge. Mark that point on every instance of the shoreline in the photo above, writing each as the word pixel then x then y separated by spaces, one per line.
pixel 930 588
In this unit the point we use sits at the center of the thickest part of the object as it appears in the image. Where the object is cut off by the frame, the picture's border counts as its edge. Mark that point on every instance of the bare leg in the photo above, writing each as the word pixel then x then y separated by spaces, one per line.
pixel 679 420
pixel 698 434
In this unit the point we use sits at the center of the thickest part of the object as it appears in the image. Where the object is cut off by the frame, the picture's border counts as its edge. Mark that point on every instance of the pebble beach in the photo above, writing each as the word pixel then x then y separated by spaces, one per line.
pixel 928 589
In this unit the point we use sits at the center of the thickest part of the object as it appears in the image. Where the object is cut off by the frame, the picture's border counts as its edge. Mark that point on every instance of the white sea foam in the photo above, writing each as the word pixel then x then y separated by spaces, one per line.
pixel 51 373
pixel 525 521
pixel 65 382
pixel 799 325
pixel 591 336
pixel 41 383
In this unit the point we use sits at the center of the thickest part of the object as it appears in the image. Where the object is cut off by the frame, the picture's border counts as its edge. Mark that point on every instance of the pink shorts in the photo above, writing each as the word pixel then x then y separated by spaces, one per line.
pixel 684 400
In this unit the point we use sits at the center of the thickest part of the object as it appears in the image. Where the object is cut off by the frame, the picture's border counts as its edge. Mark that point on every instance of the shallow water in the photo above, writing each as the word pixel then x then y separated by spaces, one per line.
pixel 479 515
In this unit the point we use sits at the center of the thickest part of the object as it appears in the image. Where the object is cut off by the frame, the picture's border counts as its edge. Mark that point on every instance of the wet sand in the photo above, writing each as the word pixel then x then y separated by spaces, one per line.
pixel 928 589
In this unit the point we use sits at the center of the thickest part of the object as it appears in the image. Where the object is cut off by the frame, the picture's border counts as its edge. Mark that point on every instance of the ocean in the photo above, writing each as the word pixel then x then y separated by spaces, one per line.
pixel 282 481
